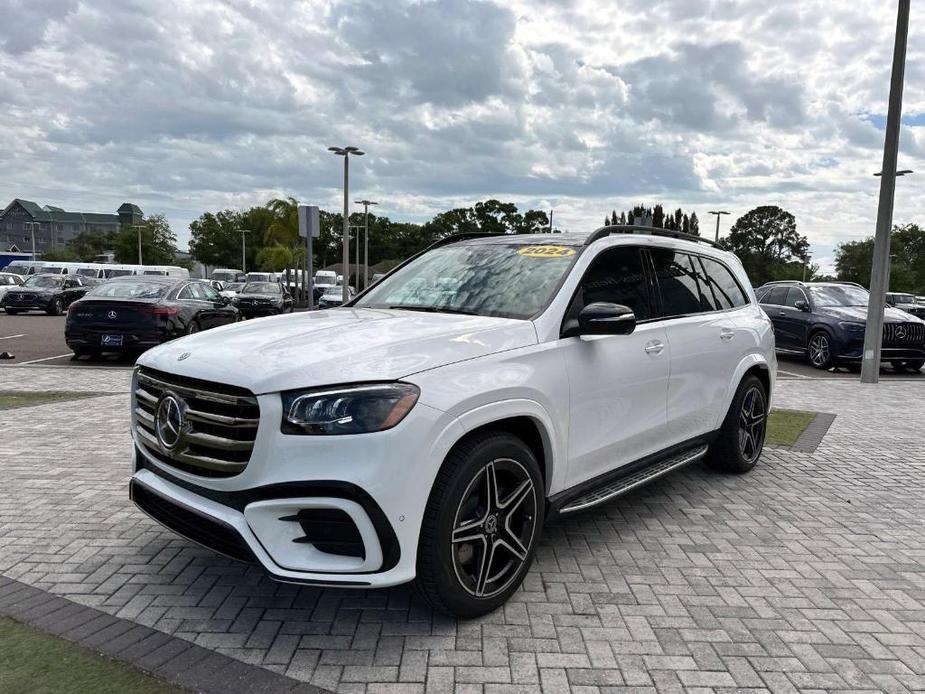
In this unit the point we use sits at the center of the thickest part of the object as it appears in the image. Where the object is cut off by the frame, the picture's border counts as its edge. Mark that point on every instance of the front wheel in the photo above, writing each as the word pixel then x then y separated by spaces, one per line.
pixel 56 307
pixel 481 525
pixel 820 350
pixel 908 364
pixel 741 437
pixel 11 311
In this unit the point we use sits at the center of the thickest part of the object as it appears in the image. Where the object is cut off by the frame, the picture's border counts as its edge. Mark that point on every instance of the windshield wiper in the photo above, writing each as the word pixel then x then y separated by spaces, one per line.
pixel 432 309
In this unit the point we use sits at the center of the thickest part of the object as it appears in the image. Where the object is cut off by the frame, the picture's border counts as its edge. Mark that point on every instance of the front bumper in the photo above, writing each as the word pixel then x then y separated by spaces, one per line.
pixel 380 481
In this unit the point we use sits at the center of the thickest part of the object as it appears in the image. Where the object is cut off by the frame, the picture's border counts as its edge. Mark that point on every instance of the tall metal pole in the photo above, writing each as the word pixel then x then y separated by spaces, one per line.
pixel 139 227
pixel 718 213
pixel 243 249
pixel 357 256
pixel 873 335
pixel 345 294
pixel 32 230
pixel 365 204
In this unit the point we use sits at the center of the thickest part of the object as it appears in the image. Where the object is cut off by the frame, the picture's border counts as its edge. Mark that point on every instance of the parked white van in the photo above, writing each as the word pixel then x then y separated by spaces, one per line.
pixel 225 274
pixel 24 268
pixel 262 277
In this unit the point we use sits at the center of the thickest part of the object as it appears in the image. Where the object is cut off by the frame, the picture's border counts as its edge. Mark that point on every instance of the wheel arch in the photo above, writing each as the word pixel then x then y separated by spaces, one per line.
pixel 526 420
pixel 751 365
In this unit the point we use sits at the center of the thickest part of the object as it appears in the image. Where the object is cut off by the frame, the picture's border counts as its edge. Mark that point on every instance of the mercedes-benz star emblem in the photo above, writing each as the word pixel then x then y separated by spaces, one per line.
pixel 901 332
pixel 168 422
pixel 113 314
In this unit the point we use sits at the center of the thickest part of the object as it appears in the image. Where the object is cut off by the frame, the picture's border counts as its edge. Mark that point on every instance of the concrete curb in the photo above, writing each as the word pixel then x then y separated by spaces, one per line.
pixel 178 661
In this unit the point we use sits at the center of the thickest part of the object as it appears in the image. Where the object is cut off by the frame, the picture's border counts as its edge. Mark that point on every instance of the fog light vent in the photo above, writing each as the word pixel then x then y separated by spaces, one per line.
pixel 329 530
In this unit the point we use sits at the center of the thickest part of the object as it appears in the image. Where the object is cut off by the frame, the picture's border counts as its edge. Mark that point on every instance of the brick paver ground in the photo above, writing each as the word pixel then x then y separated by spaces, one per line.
pixel 806 575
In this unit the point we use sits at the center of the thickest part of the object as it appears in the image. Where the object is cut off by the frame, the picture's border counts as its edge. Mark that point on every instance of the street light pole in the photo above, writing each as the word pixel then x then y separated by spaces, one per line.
pixel 32 231
pixel 139 227
pixel 366 204
pixel 243 250
pixel 873 334
pixel 718 213
pixel 345 152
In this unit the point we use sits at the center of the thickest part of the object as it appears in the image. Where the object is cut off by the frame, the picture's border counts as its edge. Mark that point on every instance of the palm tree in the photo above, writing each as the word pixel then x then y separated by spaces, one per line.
pixel 284 229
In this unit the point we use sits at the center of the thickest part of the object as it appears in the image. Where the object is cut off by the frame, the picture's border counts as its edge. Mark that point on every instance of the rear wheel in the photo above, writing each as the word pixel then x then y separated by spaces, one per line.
pixel 481 525
pixel 56 307
pixel 193 327
pixel 819 350
pixel 741 437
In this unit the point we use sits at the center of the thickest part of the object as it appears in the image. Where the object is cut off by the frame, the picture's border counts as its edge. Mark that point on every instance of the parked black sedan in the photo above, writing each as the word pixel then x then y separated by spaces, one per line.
pixel 263 299
pixel 49 293
pixel 131 314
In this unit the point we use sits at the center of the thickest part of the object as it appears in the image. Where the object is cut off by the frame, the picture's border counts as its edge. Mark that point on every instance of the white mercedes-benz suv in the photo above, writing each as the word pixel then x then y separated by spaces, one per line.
pixel 427 429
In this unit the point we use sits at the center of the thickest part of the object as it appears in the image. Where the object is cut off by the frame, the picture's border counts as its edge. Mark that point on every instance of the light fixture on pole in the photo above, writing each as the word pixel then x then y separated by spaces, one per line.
pixel 880 265
pixel 345 152
pixel 243 249
pixel 718 213
pixel 898 173
pixel 139 227
pixel 366 204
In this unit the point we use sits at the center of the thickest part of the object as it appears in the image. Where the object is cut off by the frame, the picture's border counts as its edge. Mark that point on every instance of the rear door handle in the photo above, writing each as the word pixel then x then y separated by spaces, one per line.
pixel 655 347
pixel 727 334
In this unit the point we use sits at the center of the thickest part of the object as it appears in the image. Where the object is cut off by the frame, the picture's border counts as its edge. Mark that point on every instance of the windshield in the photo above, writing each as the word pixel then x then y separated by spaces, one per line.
pixel 44 281
pixel 53 269
pixel 839 295
pixel 487 279
pixel 233 286
pixel 17 269
pixel 118 273
pixel 904 298
pixel 130 289
pixel 260 288
pixel 224 276
pixel 86 272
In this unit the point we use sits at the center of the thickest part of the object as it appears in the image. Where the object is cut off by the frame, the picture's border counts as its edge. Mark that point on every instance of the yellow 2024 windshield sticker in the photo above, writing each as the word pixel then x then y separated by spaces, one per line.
pixel 546 251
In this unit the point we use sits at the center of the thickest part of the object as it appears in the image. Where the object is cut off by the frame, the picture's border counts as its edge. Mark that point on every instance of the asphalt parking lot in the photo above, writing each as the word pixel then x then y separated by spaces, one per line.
pixel 38 339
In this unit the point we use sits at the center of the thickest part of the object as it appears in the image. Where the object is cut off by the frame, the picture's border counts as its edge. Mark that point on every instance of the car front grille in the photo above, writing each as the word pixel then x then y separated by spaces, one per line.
pixel 899 334
pixel 217 425
pixel 24 297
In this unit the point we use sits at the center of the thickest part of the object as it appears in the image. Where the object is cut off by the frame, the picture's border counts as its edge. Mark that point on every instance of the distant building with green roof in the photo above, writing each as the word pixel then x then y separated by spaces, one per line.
pixel 55 227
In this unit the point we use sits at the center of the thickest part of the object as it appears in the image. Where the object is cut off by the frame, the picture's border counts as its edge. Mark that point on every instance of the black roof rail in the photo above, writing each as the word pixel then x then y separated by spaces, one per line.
pixel 464 236
pixel 651 231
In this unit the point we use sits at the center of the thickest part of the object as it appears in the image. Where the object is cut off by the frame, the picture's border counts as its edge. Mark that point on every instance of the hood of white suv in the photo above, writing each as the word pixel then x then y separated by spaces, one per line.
pixel 341 345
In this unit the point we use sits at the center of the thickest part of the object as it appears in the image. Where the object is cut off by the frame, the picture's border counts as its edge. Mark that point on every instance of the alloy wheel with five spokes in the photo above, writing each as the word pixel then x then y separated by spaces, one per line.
pixel 820 351
pixel 752 424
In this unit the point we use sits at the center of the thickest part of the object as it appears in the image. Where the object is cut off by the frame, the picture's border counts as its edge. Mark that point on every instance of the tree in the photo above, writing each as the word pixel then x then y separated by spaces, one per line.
pixel 62 255
pixel 658 216
pixel 768 244
pixel 158 242
pixel 686 224
pixel 89 244
pixel 275 258
pixel 854 259
pixel 695 225
pixel 215 240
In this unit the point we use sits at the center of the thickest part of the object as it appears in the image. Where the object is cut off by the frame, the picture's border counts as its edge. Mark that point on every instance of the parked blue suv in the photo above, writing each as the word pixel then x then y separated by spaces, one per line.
pixel 826 321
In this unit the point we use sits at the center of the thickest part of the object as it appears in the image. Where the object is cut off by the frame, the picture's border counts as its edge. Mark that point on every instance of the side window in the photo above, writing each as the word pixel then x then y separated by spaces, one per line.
pixel 616 276
pixel 794 294
pixel 723 284
pixel 677 283
pixel 185 293
pixel 776 296
pixel 208 293
pixel 196 288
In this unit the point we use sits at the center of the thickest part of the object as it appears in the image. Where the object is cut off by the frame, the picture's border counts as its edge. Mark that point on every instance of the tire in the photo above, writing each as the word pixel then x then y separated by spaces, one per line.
pixel 55 307
pixel 819 350
pixel 913 365
pixel 193 327
pixel 451 575
pixel 11 311
pixel 741 437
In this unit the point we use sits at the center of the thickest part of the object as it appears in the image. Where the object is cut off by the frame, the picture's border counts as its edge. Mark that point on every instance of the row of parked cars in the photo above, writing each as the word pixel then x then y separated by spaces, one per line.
pixel 826 323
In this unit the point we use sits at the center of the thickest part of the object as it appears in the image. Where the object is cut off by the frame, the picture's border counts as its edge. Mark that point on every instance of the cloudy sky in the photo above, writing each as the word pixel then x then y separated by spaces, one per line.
pixel 578 105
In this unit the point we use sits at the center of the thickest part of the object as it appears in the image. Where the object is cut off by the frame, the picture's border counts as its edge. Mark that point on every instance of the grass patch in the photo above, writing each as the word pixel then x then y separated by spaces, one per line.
pixel 786 426
pixel 11 399
pixel 39 663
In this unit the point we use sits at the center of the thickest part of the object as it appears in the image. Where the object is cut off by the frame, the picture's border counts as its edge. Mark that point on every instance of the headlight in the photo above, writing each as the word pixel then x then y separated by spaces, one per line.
pixel 852 327
pixel 350 410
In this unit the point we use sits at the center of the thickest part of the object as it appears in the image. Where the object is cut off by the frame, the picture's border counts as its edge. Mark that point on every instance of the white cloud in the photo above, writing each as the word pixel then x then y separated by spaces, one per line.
pixel 581 105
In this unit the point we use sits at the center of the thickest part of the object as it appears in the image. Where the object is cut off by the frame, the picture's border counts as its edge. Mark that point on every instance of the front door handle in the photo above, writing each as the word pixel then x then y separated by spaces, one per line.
pixel 655 347
pixel 727 334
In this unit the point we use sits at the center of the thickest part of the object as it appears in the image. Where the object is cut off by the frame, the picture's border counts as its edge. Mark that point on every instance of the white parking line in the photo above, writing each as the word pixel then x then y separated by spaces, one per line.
pixel 793 373
pixel 10 337
pixel 36 361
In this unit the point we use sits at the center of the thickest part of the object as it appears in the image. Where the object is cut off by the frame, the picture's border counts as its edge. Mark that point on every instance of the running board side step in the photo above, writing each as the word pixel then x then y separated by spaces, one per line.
pixel 622 485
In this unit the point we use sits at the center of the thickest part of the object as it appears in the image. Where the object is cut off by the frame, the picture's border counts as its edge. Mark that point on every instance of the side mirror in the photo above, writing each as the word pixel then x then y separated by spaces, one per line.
pixel 226 300
pixel 801 305
pixel 602 318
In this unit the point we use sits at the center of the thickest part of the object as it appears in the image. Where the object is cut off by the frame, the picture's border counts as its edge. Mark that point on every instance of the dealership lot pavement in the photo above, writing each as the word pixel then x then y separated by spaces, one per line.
pixel 808 574
pixel 39 339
